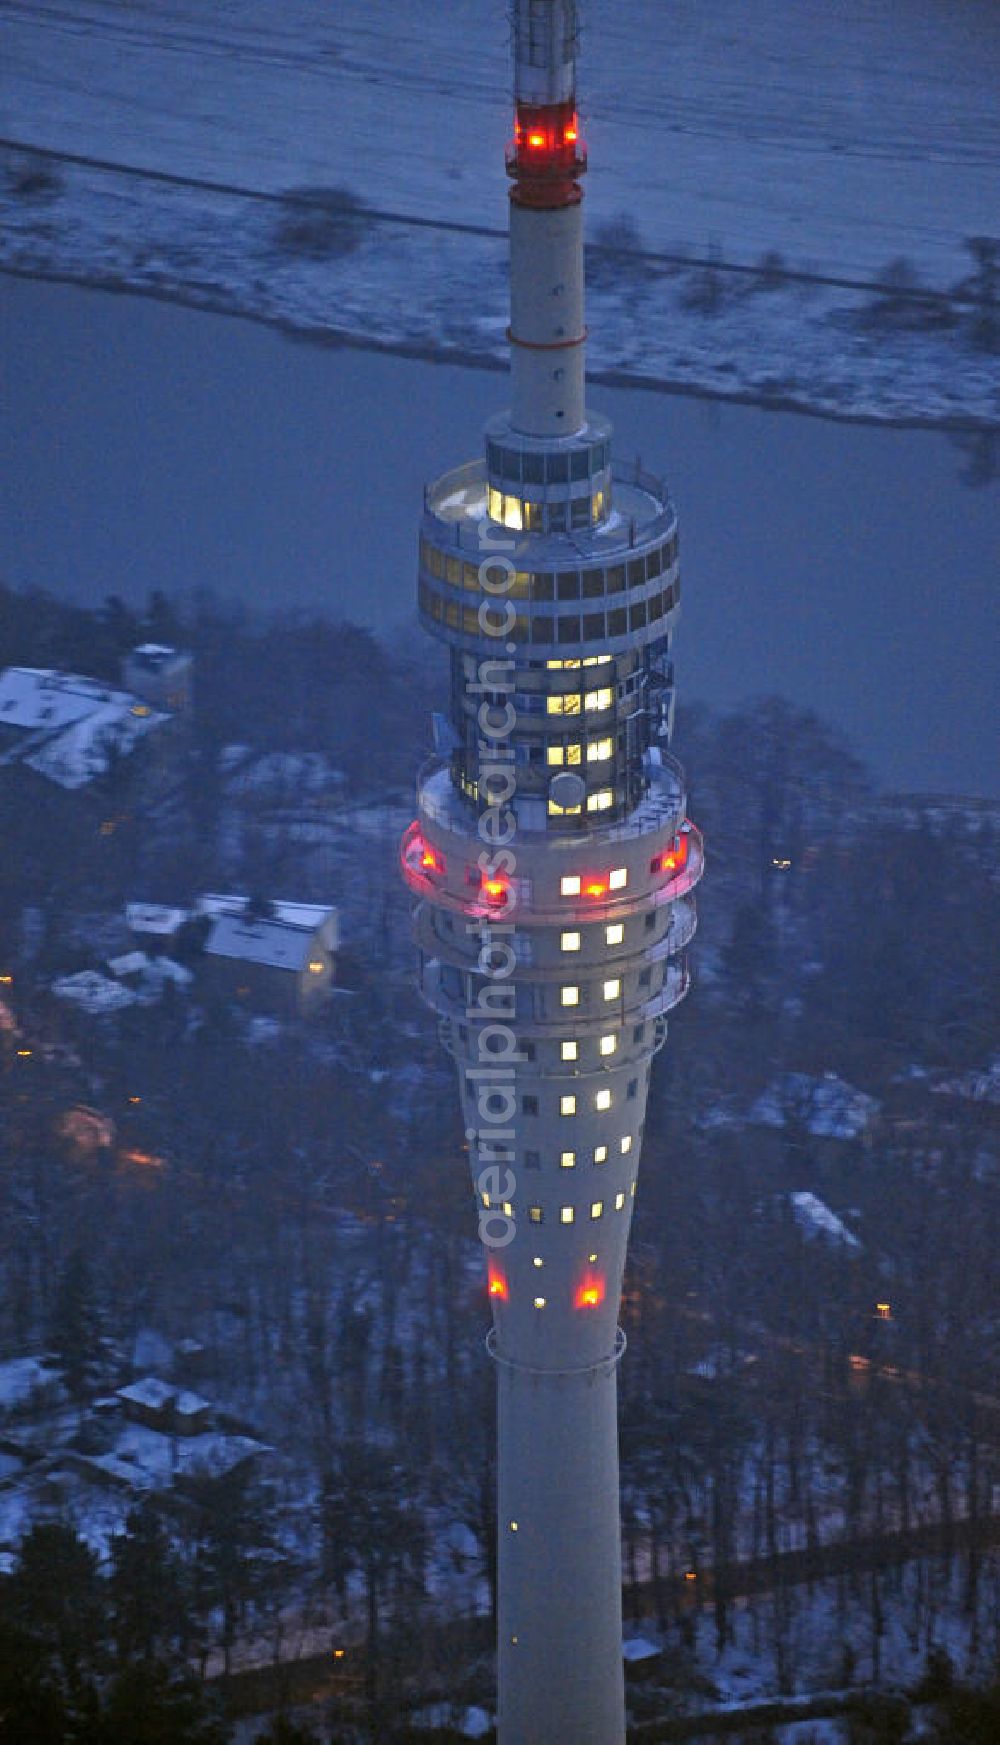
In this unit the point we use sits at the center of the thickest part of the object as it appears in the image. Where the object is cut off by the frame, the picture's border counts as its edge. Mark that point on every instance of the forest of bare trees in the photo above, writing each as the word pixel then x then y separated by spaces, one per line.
pixel 308 1224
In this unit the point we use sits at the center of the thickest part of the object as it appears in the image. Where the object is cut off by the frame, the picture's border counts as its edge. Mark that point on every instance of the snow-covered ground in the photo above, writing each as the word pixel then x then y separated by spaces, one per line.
pixel 840 136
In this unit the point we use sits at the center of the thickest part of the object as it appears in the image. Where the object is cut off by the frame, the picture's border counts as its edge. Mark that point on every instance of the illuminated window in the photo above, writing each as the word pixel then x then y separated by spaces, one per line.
pixel 600 1154
pixel 618 878
pixel 508 1210
pixel 632 1190
pixel 597 1208
pixel 599 749
pixel 512 512
pixel 567 1104
pixel 486 1200
pixel 602 801
pixel 566 1214
pixel 614 934
pixel 534 1214
pixel 538 1261
pixel 557 811
pixel 612 988
pixel 569 995
pixel 559 666
pixel 598 504
pixel 495 504
pixel 513 1526
pixel 567 1159
pixel 619 1202
pixel 602 1100
pixel 140 709
pixel 316 966
pixel 539 1302
pixel 571 1051
pixel 599 699
pixel 567 703
pixel 609 1044
pixel 570 886
pixel 626 1144
pixel 555 754
pixel 569 942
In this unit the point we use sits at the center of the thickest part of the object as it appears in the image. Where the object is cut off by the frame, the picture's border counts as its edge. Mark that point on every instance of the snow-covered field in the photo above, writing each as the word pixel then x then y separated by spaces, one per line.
pixel 841 136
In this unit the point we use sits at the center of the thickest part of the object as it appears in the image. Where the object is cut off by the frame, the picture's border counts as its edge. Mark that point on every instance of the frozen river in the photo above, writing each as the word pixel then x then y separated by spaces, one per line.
pixel 149 446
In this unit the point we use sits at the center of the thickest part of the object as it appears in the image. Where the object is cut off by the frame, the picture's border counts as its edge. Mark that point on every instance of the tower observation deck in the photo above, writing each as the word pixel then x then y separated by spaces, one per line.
pixel 554 866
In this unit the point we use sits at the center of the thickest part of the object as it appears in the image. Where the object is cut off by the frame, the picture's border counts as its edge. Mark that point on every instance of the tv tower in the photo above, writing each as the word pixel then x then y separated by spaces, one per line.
pixel 553 865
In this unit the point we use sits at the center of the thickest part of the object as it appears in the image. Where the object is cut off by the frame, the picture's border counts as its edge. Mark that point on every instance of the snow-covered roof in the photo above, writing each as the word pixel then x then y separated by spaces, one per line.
pixel 129 964
pixel 191 1405
pixel 92 992
pixel 827 1107
pixel 71 726
pixel 148 1459
pixel 156 1395
pixel 155 970
pixel 151 1392
pixel 814 1218
pixel 274 943
pixel 154 918
pixel 307 916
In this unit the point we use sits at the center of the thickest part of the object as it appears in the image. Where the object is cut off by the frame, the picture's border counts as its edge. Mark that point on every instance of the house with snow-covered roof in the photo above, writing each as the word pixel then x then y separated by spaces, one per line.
pixel 277 957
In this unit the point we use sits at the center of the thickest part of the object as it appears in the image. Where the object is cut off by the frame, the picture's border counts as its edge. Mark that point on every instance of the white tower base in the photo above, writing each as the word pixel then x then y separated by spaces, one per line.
pixel 560 1669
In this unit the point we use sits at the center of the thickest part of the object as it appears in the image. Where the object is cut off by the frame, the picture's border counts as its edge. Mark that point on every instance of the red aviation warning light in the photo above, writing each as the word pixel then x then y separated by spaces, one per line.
pixel 590 1292
pixel 547 154
pixel 496 890
pixel 675 858
pixel 498 1288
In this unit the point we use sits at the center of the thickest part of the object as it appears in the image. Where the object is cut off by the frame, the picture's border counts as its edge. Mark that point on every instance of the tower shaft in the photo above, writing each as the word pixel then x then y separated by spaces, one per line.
pixel 553 866
pixel 559 1649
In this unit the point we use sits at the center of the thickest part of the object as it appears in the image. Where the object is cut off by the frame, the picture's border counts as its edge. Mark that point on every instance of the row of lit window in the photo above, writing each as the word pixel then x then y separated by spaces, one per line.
pixel 573 584
pixel 573 702
pixel 546 630
pixel 601 800
pixel 591 751
pixel 568 1159
pixel 559 666
pixel 568 1101
pixel 603 1099
pixel 608 1044
pixel 567 1214
pixel 593 884
pixel 556 516
pixel 614 934
pixel 569 993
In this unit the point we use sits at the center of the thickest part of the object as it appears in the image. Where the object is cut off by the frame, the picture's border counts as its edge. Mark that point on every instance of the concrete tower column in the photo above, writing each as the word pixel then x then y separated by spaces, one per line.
pixel 559 1652
pixel 553 961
